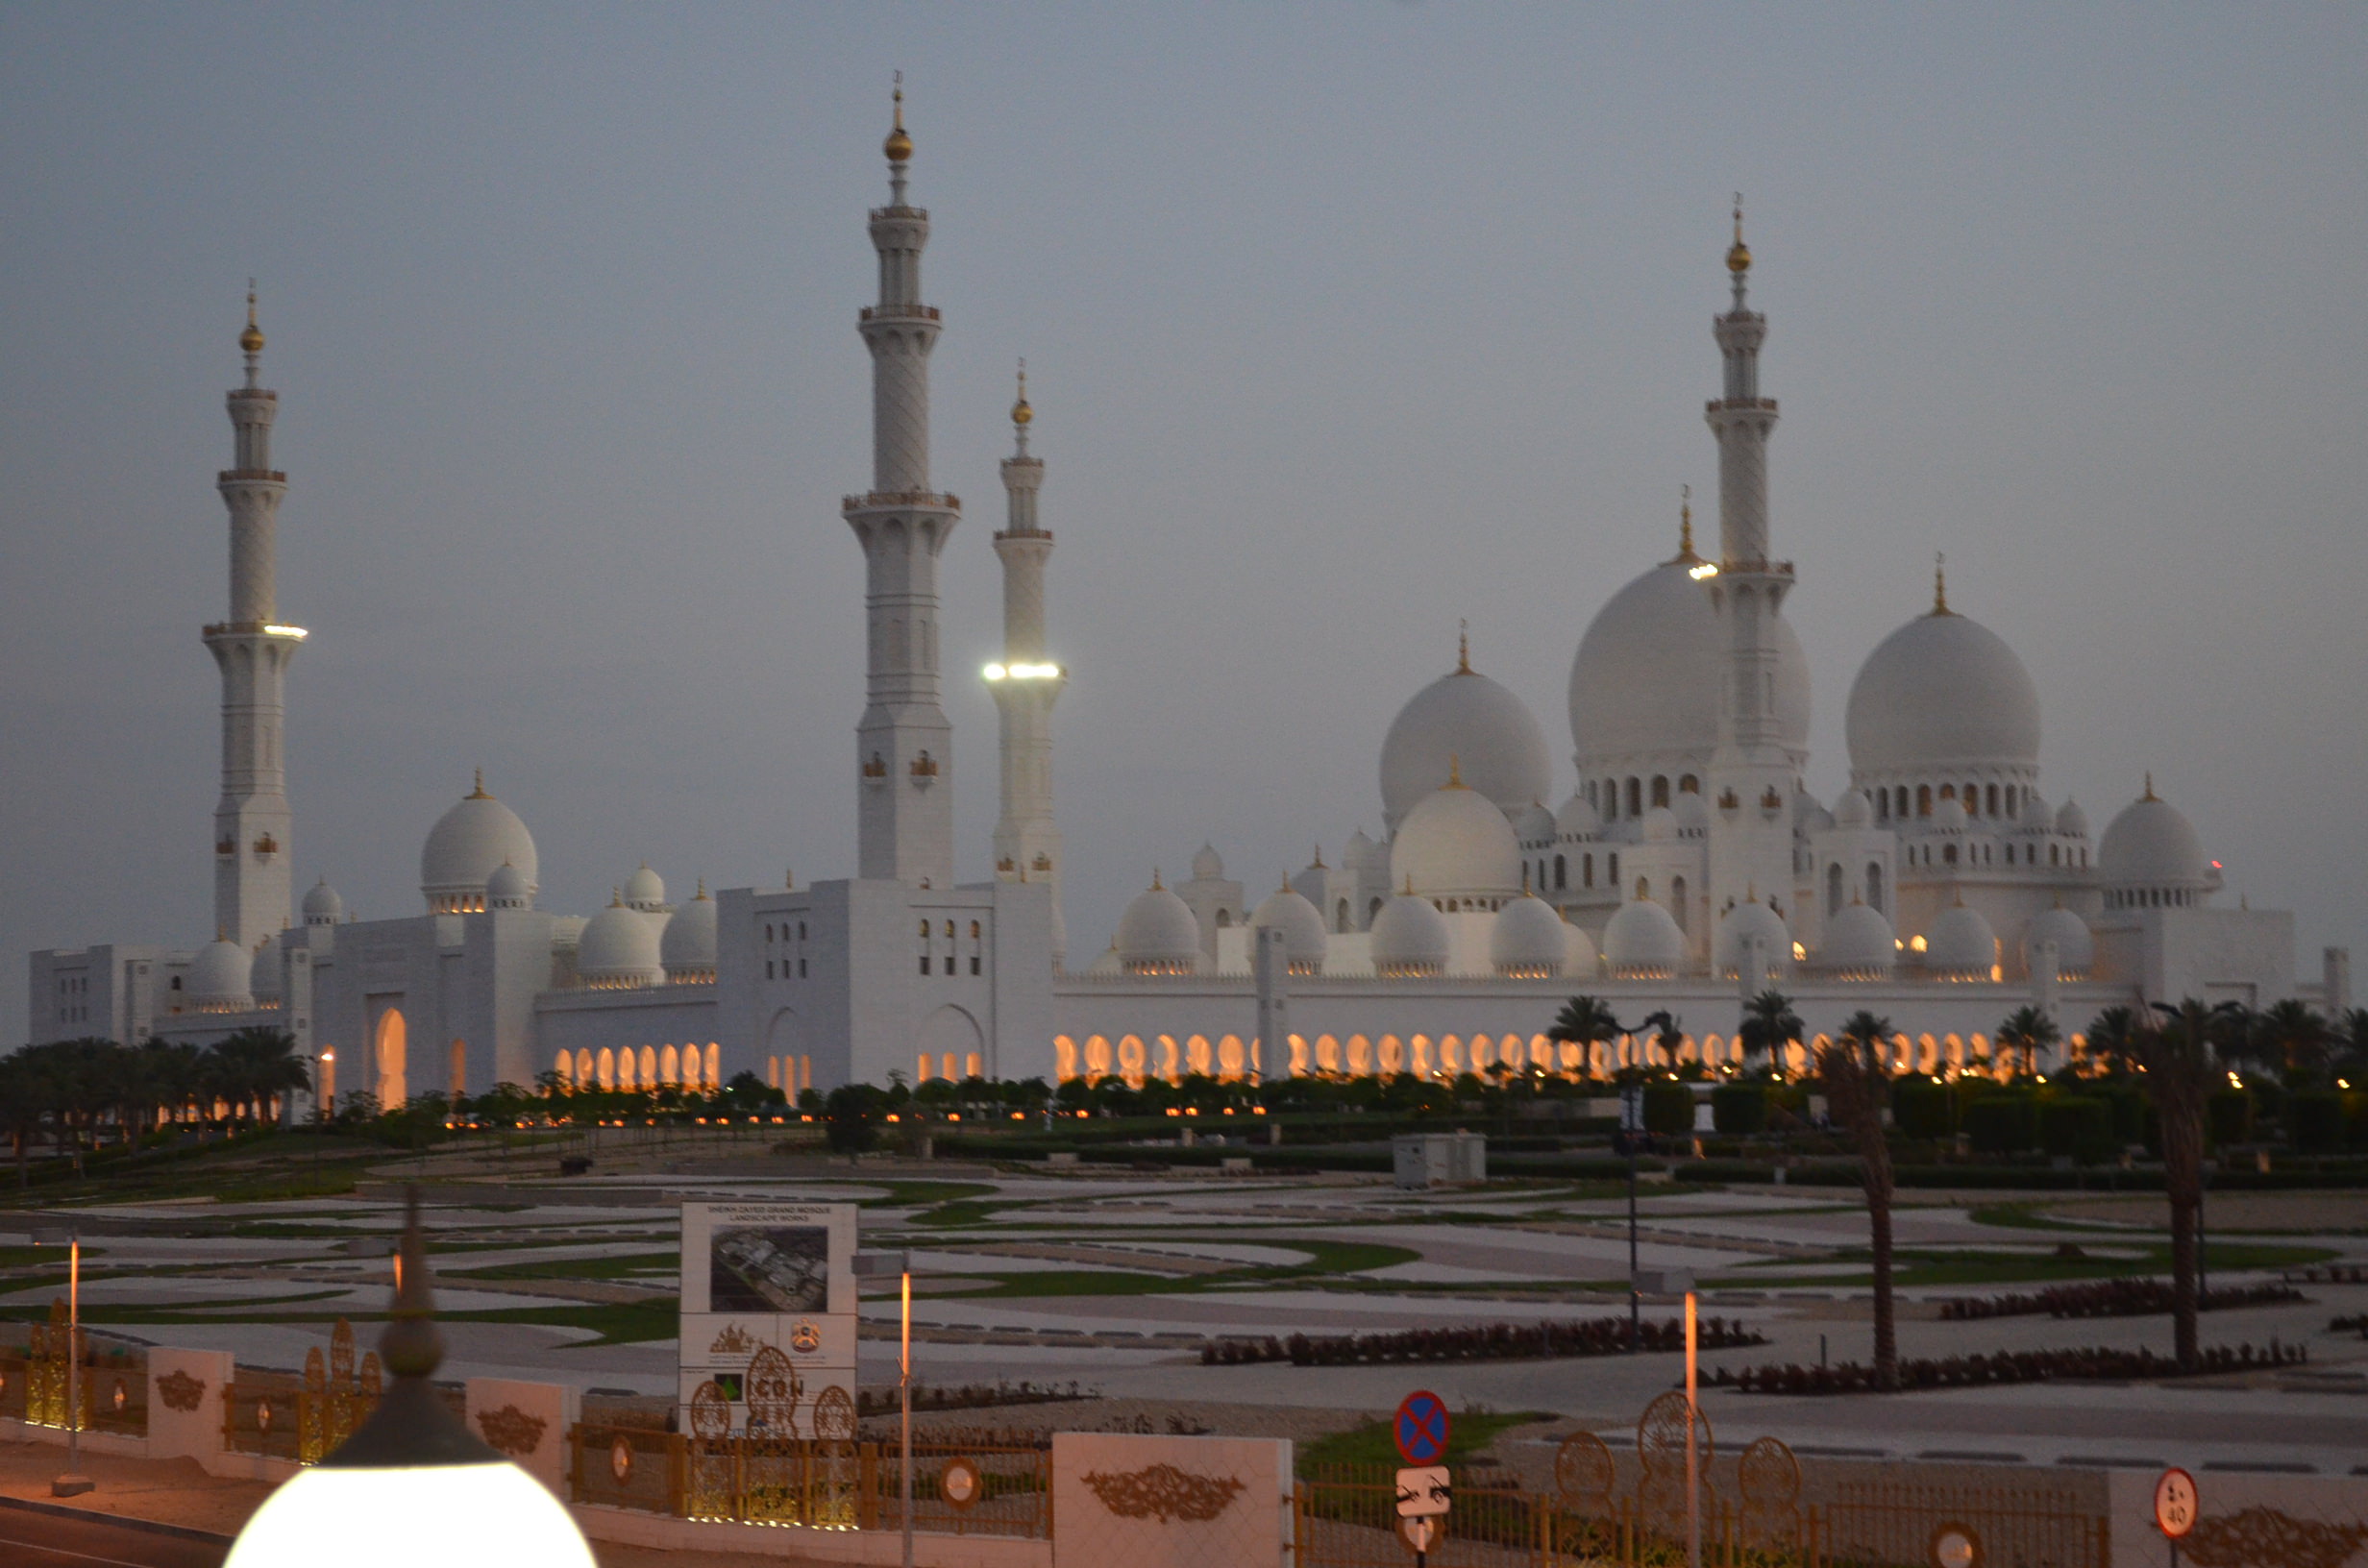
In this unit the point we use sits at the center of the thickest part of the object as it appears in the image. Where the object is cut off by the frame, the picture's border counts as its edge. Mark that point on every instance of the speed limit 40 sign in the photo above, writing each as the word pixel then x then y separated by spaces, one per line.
pixel 2175 1502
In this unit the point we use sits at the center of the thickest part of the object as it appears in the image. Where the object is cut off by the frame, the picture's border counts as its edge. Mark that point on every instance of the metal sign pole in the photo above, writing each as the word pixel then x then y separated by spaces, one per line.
pixel 1694 1467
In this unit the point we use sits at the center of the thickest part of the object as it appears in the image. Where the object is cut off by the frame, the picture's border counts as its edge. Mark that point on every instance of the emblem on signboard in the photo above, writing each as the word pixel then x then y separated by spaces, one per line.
pixel 806 1337
pixel 734 1340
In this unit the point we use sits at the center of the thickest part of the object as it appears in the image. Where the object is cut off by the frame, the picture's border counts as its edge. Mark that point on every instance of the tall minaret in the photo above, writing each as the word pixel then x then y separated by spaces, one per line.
pixel 904 744
pixel 251 824
pixel 1028 845
pixel 1751 773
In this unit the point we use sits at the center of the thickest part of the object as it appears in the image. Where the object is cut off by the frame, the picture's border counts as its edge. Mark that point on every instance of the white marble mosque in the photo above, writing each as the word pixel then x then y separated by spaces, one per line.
pixel 1682 865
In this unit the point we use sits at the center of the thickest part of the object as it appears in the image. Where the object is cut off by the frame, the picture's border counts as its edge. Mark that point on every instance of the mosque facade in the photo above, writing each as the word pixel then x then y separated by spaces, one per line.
pixel 1687 868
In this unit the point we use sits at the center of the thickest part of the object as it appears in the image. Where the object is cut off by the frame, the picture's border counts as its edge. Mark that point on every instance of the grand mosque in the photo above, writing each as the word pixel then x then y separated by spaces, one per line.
pixel 1685 867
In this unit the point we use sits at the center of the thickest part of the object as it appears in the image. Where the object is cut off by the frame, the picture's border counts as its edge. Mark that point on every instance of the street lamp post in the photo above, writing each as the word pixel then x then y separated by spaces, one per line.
pixel 322 1065
pixel 880 1265
pixel 72 1483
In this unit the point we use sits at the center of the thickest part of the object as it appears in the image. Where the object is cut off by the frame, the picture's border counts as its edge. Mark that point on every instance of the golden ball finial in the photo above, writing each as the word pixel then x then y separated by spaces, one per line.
pixel 252 339
pixel 1739 253
pixel 898 146
pixel 1021 412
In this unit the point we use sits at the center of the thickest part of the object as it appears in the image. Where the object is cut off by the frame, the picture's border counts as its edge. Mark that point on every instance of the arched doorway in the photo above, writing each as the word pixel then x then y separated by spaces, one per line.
pixel 386 1055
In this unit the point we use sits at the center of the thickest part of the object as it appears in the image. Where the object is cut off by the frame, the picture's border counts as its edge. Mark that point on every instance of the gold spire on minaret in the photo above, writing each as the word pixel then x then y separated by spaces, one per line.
pixel 1462 648
pixel 1940 584
pixel 1739 253
pixel 1686 554
pixel 1021 412
pixel 2150 787
pixel 252 339
pixel 898 146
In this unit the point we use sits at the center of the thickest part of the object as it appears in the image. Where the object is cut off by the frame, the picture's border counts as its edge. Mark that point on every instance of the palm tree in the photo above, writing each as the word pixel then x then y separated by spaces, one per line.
pixel 2113 1036
pixel 2026 1032
pixel 1857 1087
pixel 1586 1022
pixel 25 1100
pixel 2182 1054
pixel 1770 1025
pixel 1668 1035
pixel 2295 1039
pixel 256 1064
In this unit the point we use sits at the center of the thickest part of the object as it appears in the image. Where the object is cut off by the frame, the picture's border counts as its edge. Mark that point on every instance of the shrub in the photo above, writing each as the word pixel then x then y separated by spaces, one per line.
pixel 2000 1124
pixel 2077 1126
pixel 2231 1115
pixel 1739 1109
pixel 2127 1297
pixel 1668 1109
pixel 2006 1366
pixel 2129 1117
pixel 1493 1342
pixel 2315 1121
pixel 1921 1109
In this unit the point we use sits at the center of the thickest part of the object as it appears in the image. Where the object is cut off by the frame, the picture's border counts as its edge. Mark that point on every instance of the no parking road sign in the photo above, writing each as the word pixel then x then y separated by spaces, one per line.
pixel 1421 1428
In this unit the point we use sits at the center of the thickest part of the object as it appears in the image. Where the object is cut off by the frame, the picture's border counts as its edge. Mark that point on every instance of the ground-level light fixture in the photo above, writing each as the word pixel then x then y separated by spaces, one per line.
pixel 72 1483
pixel 412 1485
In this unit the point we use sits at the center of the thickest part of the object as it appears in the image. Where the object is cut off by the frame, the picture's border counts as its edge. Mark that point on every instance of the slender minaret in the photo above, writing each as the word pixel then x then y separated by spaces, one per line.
pixel 1751 772
pixel 1026 683
pixel 251 826
pixel 904 744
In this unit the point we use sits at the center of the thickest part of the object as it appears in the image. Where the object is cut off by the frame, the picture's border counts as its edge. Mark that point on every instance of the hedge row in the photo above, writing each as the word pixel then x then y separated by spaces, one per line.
pixel 2098 1363
pixel 1495 1342
pixel 2109 1298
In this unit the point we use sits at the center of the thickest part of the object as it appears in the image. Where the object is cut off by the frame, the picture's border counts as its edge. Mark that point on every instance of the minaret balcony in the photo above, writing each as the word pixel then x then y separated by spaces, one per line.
pixel 1733 406
pixel 898 312
pixel 250 475
pixel 883 499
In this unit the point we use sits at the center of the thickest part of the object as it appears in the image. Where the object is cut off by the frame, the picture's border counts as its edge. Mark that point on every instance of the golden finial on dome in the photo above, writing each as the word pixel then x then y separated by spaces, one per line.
pixel 898 146
pixel 1156 883
pixel 1686 556
pixel 478 792
pixel 1739 253
pixel 2150 787
pixel 252 339
pixel 1940 584
pixel 1316 864
pixel 1021 412
pixel 1455 771
pixel 1462 648
pixel 701 894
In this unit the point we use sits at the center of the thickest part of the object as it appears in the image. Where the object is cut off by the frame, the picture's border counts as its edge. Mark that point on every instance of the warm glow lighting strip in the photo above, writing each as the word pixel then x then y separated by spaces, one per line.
pixel 1023 671
pixel 297 632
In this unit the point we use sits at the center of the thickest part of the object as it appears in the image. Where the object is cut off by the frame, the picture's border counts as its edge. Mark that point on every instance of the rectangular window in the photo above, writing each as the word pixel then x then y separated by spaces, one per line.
pixel 973 963
pixel 801 968
pixel 925 964
pixel 768 969
pixel 949 963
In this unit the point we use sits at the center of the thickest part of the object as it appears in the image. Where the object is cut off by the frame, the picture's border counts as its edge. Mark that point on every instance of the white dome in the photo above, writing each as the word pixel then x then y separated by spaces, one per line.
pixel 509 889
pixel 1743 924
pixel 263 975
pixel 1409 938
pixel 465 846
pixel 1941 691
pixel 1577 819
pixel 2152 845
pixel 1158 935
pixel 618 950
pixel 2072 822
pixel 1107 961
pixel 2075 951
pixel 687 946
pixel 1455 842
pixel 1357 851
pixel 1526 939
pixel 1301 924
pixel 2038 815
pixel 644 891
pixel 1960 945
pixel 1579 958
pixel 322 906
pixel 1647 674
pixel 1642 942
pixel 1207 864
pixel 1533 823
pixel 1465 722
pixel 1859 944
pixel 1949 816
pixel 1691 811
pixel 1853 810
pixel 218 978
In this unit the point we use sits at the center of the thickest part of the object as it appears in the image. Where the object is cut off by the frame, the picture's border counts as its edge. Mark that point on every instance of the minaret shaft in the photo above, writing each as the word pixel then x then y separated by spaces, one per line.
pixel 904 744
pixel 1028 845
pixel 253 825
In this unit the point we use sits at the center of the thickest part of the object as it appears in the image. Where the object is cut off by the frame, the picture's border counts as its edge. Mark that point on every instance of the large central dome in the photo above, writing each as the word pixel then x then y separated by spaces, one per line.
pixel 1942 691
pixel 1464 723
pixel 1647 674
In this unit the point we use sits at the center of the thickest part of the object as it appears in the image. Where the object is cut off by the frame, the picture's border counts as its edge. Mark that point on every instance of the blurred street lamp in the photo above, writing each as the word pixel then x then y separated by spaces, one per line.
pixel 880 1265
pixel 412 1485
pixel 73 1483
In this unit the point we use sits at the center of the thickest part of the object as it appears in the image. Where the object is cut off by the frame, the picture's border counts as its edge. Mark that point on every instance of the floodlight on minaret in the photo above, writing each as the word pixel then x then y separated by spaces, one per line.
pixel 1026 681
pixel 904 743
pixel 252 828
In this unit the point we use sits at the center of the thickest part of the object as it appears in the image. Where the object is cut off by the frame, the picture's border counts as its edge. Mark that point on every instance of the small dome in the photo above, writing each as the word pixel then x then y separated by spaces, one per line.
pixel 644 891
pixel 1576 818
pixel 1526 941
pixel 1641 942
pixel 618 950
pixel 1463 721
pixel 1579 960
pixel 263 975
pixel 1853 810
pixel 2072 822
pixel 322 906
pixel 1107 961
pixel 687 949
pixel 467 843
pixel 1949 816
pixel 1942 691
pixel 2038 815
pixel 1661 826
pixel 2152 845
pixel 1859 944
pixel 1746 923
pixel 1301 924
pixel 1207 864
pixel 1158 935
pixel 1357 852
pixel 220 977
pixel 1959 945
pixel 509 889
pixel 2075 951
pixel 1691 811
pixel 1410 937
pixel 1456 843
pixel 1533 823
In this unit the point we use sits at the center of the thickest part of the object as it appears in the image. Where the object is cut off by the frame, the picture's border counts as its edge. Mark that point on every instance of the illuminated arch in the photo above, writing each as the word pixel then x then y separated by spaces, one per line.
pixel 607 1069
pixel 387 1051
pixel 670 1067
pixel 1196 1055
pixel 1327 1054
pixel 1131 1055
pixel 1299 1055
pixel 1231 1059
pixel 1389 1057
pixel 1064 1058
pixel 1168 1060
pixel 1098 1057
pixel 1360 1056
pixel 1419 1056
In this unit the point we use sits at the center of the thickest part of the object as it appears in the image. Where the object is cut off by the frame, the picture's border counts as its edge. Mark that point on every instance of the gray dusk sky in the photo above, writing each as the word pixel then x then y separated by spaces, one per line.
pixel 1343 321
